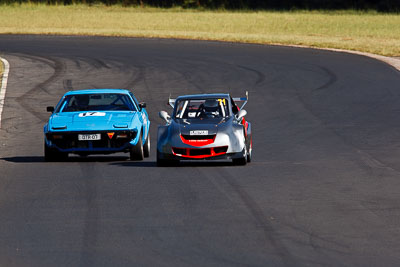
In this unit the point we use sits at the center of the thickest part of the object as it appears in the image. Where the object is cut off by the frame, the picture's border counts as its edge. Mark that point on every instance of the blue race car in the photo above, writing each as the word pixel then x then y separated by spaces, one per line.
pixel 97 121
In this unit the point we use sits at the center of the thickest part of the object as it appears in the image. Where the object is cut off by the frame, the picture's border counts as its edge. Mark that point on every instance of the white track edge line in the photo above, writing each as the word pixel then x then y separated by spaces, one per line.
pixel 3 88
pixel 394 62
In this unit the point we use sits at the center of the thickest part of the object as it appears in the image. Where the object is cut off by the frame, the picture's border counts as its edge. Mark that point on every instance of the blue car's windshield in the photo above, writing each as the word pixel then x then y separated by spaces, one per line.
pixel 96 102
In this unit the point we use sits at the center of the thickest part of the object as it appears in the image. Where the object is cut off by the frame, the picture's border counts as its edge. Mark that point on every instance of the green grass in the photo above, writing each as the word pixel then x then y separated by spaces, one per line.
pixel 363 31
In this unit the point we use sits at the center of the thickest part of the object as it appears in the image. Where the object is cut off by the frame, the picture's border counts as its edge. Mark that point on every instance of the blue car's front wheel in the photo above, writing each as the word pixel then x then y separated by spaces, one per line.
pixel 146 147
pixel 136 152
pixel 51 154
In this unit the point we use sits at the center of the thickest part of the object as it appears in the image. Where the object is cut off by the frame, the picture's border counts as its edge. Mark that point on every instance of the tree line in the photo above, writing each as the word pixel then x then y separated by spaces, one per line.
pixel 379 5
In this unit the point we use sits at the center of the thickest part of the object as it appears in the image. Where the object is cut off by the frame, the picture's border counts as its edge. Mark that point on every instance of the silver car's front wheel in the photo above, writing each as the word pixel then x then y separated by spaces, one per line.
pixel 250 151
pixel 242 160
pixel 166 162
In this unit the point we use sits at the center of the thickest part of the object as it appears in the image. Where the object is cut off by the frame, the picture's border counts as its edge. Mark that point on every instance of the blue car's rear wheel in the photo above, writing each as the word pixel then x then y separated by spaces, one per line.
pixel 136 152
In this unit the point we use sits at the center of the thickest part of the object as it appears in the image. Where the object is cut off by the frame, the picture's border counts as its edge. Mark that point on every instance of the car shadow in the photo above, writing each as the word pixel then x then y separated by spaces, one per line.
pixel 119 161
pixel 205 163
pixel 24 159
pixel 37 159
pixel 182 164
pixel 128 163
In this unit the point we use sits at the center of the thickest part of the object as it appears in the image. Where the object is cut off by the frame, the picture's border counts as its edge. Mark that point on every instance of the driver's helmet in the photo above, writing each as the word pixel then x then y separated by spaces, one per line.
pixel 211 105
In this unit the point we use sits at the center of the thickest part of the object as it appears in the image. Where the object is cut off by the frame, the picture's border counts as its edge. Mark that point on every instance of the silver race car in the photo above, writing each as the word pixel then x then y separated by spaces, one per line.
pixel 204 126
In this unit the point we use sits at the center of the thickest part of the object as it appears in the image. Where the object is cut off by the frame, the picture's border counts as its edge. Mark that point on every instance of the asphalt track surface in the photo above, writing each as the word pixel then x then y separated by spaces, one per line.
pixel 323 187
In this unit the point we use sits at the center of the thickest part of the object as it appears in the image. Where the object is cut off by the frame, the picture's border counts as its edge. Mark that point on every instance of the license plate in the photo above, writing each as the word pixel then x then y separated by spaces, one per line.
pixel 89 137
pixel 199 132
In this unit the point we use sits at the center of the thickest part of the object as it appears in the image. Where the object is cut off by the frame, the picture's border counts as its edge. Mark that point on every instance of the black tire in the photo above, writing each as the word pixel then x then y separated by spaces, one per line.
pixel 165 162
pixel 136 152
pixel 51 154
pixel 48 154
pixel 242 160
pixel 250 150
pixel 146 147
pixel 161 162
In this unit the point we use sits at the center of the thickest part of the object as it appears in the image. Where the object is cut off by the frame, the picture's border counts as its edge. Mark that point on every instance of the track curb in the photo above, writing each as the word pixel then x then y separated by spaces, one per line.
pixel 392 61
pixel 4 80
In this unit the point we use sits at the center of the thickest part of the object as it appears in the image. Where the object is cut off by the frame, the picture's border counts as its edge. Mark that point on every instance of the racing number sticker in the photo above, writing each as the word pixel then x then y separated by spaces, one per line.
pixel 92 114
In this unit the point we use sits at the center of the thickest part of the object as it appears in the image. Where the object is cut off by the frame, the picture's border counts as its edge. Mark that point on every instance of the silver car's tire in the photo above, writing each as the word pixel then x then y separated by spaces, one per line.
pixel 239 161
pixel 165 162
pixel 249 152
pixel 242 160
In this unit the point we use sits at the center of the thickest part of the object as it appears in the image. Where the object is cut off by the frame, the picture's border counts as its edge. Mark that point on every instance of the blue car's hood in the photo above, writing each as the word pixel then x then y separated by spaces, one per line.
pixel 92 121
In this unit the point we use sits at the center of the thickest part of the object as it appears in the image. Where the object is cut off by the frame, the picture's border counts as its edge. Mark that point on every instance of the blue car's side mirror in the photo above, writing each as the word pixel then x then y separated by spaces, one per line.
pixel 50 109
pixel 142 105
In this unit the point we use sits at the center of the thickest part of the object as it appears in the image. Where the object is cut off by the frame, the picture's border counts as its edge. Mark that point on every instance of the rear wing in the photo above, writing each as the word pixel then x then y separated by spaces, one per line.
pixel 171 101
pixel 242 99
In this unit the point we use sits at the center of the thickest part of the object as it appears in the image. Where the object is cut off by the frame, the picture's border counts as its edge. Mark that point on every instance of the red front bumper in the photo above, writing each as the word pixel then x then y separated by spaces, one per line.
pixel 199 153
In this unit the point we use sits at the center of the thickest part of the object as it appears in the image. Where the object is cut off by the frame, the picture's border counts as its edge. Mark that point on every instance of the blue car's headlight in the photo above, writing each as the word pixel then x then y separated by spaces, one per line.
pixel 51 136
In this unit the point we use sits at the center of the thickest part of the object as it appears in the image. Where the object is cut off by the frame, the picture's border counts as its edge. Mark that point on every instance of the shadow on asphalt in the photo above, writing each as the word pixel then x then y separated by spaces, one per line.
pixel 24 159
pixel 182 164
pixel 34 159
pixel 119 161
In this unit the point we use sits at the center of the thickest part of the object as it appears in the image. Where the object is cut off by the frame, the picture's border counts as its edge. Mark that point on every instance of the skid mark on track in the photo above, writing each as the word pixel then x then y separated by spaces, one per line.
pixel 326 248
pixel 68 85
pixel 332 79
pixel 147 87
pixel 369 162
pixel 188 77
pixel 25 99
pixel 92 217
pixel 137 75
pixel 260 75
pixel 138 81
pixel 316 242
pixel 57 65
pixel 271 236
pixel 97 63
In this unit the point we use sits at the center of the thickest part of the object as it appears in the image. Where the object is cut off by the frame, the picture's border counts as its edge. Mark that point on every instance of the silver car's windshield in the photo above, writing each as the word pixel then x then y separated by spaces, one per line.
pixel 201 108
pixel 96 102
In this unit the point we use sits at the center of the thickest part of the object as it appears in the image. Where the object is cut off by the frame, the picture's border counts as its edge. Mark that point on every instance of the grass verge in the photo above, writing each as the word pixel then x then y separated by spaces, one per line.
pixel 362 31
